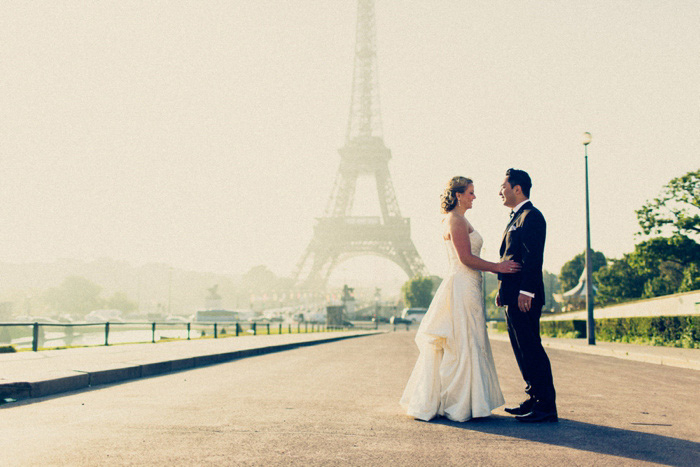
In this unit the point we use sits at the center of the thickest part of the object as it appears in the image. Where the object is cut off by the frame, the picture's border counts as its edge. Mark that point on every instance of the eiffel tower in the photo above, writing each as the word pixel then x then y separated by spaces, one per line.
pixel 338 235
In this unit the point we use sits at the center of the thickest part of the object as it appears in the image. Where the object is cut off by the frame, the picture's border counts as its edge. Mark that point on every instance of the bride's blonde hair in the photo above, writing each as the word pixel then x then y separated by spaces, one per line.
pixel 455 185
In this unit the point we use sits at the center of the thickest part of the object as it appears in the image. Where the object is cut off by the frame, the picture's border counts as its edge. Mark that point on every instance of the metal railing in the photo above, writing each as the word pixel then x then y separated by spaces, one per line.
pixel 38 335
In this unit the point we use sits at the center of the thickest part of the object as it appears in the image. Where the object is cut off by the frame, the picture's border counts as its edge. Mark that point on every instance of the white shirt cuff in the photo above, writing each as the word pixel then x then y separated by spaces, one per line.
pixel 529 294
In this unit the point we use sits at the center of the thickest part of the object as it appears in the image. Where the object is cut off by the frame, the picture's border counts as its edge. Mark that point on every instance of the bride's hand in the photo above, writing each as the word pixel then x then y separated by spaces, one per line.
pixel 508 267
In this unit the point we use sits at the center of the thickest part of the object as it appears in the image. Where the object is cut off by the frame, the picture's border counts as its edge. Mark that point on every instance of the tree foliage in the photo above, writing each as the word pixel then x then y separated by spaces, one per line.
pixel 619 282
pixel 663 262
pixel 417 292
pixel 120 301
pixel 691 278
pixel 259 278
pixel 551 286
pixel 75 295
pixel 658 266
pixel 571 271
pixel 676 209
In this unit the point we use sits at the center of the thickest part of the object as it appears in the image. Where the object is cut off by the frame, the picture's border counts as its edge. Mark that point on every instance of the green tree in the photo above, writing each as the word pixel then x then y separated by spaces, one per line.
pixel 663 262
pixel 490 291
pixel 259 278
pixel 691 278
pixel 658 266
pixel 120 301
pixel 551 286
pixel 437 280
pixel 676 209
pixel 417 292
pixel 572 269
pixel 619 282
pixel 75 295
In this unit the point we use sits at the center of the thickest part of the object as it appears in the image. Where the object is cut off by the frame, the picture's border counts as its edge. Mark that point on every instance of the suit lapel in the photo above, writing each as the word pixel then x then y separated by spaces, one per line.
pixel 512 222
pixel 505 232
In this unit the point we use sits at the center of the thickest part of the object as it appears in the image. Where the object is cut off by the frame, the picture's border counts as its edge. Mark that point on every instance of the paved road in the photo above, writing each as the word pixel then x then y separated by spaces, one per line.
pixel 337 404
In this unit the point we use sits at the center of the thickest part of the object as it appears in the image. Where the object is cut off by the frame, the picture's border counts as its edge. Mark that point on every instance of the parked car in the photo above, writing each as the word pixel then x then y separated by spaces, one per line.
pixel 39 319
pixel 414 315
pixel 399 320
pixel 176 319
pixel 103 316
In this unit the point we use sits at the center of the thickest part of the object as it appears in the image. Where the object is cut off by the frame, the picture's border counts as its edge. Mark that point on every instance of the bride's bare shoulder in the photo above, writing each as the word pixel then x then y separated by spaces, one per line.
pixel 455 222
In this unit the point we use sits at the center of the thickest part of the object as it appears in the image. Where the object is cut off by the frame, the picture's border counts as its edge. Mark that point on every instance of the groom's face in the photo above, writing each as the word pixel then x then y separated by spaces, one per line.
pixel 508 194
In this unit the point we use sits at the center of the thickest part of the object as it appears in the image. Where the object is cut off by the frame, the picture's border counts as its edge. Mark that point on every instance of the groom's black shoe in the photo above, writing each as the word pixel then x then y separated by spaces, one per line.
pixel 538 416
pixel 524 408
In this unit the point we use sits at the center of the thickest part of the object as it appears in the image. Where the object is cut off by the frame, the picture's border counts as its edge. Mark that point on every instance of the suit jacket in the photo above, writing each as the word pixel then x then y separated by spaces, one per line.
pixel 523 242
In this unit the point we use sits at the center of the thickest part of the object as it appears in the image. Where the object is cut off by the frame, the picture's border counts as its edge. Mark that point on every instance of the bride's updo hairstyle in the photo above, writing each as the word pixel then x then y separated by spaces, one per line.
pixel 449 198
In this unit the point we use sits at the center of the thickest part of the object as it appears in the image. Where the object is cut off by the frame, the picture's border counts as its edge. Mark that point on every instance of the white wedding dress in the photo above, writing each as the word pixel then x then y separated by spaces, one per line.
pixel 455 375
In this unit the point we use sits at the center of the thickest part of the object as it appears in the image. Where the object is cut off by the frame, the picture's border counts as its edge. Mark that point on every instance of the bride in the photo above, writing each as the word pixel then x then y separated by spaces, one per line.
pixel 455 375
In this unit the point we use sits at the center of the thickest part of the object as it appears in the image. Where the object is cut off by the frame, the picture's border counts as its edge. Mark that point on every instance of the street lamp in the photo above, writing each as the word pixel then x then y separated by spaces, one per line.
pixel 590 322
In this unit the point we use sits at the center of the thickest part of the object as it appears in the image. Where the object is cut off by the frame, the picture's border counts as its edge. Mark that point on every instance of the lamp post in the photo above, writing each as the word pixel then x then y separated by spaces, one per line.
pixel 590 322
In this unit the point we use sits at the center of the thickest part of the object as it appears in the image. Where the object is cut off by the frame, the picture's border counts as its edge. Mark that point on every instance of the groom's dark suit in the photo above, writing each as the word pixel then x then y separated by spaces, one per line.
pixel 523 242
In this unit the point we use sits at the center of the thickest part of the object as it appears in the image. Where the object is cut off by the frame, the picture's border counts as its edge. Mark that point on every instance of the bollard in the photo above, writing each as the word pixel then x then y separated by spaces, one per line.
pixel 107 333
pixel 289 328
pixel 216 333
pixel 306 327
pixel 268 329
pixel 298 327
pixel 153 332
pixel 35 337
pixel 238 328
pixel 255 328
pixel 188 331
pixel 280 331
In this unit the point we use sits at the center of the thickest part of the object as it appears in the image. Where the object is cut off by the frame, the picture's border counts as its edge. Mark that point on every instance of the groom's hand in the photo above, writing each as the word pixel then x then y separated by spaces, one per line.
pixel 498 300
pixel 524 302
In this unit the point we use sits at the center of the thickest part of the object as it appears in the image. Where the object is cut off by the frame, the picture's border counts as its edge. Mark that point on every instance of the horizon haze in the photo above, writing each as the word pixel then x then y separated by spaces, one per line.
pixel 205 135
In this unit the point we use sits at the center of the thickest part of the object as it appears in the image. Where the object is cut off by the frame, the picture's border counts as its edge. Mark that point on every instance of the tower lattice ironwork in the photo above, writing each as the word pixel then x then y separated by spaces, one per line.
pixel 338 235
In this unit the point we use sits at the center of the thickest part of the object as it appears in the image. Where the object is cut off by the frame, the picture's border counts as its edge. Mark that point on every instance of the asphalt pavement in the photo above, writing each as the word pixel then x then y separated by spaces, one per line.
pixel 336 403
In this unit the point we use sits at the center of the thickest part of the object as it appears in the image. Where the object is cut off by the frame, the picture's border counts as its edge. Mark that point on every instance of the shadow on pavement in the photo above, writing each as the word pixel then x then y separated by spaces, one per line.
pixel 588 437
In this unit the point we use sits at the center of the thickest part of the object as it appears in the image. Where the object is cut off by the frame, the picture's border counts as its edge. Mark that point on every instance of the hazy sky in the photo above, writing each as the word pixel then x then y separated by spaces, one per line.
pixel 204 134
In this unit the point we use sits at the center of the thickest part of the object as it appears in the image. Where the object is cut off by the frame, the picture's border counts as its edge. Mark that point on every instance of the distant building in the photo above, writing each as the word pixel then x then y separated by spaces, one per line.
pixel 576 297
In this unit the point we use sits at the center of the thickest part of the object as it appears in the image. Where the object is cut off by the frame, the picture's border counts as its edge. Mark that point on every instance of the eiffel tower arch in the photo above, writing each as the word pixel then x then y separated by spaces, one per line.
pixel 338 235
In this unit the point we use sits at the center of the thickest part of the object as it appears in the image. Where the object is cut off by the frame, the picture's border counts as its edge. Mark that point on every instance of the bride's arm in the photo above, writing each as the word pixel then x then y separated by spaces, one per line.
pixel 459 233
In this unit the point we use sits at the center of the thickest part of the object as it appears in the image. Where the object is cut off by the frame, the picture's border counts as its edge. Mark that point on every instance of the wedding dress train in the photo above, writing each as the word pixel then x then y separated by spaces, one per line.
pixel 454 375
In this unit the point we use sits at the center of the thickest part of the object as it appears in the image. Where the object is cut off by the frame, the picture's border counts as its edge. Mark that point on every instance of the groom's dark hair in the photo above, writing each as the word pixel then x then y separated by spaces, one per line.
pixel 519 177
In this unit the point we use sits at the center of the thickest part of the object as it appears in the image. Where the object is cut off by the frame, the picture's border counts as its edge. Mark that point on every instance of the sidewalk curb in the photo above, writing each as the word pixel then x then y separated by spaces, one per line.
pixel 638 355
pixel 87 379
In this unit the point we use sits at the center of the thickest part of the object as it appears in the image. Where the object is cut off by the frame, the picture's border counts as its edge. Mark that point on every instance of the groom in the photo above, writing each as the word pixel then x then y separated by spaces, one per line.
pixel 523 295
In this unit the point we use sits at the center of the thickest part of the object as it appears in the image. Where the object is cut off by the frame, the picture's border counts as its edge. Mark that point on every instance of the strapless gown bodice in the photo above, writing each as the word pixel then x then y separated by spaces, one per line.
pixel 455 265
